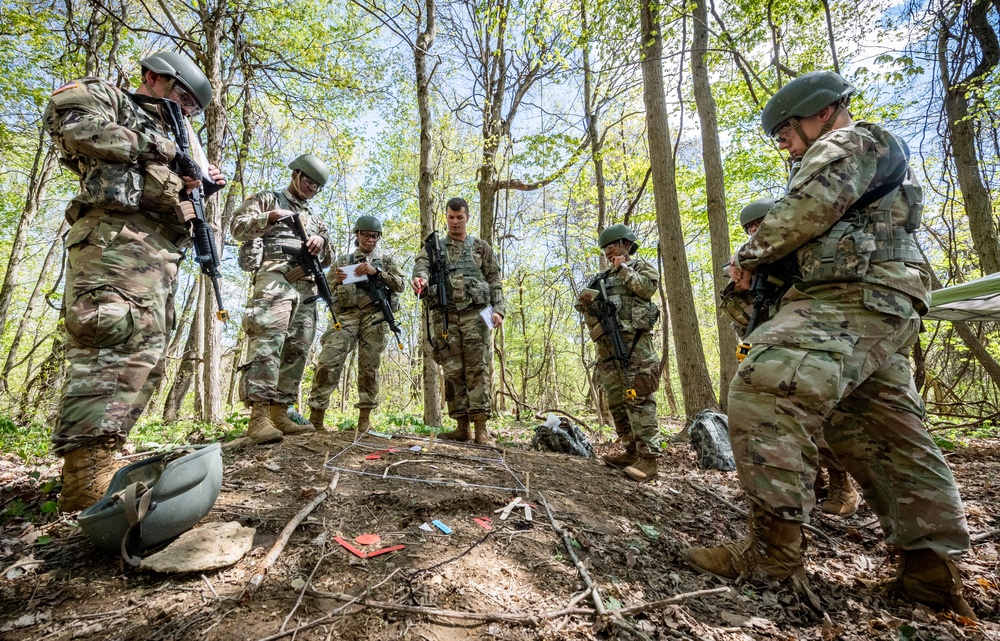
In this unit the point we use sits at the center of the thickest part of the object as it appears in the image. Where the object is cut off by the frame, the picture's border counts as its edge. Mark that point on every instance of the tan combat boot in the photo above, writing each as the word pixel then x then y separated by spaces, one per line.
pixel 621 461
pixel 773 546
pixel 86 474
pixel 926 578
pixel 316 417
pixel 288 427
pixel 842 499
pixel 643 469
pixel 482 435
pixel 364 419
pixel 461 432
pixel 260 429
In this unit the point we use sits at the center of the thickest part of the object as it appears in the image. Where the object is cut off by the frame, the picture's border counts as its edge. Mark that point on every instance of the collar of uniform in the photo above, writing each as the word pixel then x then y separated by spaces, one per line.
pixel 292 199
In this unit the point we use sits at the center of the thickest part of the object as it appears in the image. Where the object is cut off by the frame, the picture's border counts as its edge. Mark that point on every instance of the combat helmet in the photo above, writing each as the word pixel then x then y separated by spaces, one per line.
pixel 755 211
pixel 311 166
pixel 367 223
pixel 614 233
pixel 153 500
pixel 185 71
pixel 803 97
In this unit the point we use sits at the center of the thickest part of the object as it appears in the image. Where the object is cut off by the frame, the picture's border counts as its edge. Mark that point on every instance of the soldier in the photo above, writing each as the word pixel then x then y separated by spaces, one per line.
pixel 280 321
pixel 361 322
pixel 841 497
pixel 837 348
pixel 124 249
pixel 630 285
pixel 466 354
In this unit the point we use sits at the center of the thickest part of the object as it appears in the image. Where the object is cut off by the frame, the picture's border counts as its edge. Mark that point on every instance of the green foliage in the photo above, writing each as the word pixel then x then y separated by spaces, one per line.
pixel 28 442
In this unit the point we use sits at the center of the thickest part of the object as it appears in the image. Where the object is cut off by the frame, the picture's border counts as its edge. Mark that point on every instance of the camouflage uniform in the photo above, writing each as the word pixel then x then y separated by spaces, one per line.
pixel 279 326
pixel 466 355
pixel 360 321
pixel 631 289
pixel 123 252
pixel 836 349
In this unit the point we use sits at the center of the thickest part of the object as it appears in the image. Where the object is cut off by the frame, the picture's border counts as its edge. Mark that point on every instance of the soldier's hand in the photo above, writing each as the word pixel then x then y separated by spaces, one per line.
pixel 275 215
pixel 418 284
pixel 340 275
pixel 585 298
pixel 315 245
pixel 362 269
pixel 497 320
pixel 213 182
pixel 741 278
pixel 618 261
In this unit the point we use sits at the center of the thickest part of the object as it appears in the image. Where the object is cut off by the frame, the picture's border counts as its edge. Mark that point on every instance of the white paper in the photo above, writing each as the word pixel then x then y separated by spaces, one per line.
pixel 487 315
pixel 349 276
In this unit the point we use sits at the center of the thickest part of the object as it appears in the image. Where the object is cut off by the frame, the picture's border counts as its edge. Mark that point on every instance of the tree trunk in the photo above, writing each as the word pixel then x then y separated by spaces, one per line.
pixel 185 373
pixel 431 386
pixel 715 192
pixel 696 384
pixel 590 113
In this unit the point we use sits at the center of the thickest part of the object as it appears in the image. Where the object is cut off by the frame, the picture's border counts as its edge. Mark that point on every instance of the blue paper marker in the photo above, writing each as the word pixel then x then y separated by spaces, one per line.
pixel 441 526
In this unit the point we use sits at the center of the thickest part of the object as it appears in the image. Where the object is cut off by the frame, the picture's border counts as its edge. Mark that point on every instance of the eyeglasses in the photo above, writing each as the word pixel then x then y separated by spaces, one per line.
pixel 185 99
pixel 369 235
pixel 784 130
pixel 309 182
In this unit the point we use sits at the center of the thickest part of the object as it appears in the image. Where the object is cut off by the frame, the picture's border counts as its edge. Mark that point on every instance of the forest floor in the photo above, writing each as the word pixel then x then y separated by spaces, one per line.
pixel 518 575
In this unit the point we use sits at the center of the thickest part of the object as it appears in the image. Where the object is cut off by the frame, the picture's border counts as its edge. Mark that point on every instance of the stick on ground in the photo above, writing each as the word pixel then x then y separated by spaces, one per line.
pixel 282 541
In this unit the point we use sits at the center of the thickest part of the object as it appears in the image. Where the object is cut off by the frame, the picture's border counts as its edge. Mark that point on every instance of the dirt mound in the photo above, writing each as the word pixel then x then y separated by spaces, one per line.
pixel 519 576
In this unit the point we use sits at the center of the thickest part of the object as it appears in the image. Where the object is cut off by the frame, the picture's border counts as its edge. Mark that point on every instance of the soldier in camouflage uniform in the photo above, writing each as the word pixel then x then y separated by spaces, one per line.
pixel 280 320
pixel 837 349
pixel 630 285
pixel 361 321
pixel 123 250
pixel 841 497
pixel 466 354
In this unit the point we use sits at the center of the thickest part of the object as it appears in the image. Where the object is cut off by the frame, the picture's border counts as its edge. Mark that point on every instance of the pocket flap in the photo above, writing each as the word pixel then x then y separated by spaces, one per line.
pixel 96 384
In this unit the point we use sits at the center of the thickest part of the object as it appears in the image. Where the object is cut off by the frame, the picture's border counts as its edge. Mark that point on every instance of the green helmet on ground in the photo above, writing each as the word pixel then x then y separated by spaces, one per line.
pixel 803 97
pixel 614 233
pixel 182 487
pixel 755 211
pixel 311 166
pixel 367 223
pixel 185 71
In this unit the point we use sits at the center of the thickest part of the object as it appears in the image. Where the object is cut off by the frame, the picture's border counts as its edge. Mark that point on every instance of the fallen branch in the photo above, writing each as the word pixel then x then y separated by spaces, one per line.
pixel 735 508
pixel 282 541
pixel 677 598
pixel 302 592
pixel 616 619
pixel 984 536
pixel 541 416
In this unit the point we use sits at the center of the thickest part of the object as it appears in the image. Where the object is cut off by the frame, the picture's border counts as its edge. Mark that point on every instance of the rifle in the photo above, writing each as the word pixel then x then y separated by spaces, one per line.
pixel 205 253
pixel 768 285
pixel 377 292
pixel 311 266
pixel 438 277
pixel 607 314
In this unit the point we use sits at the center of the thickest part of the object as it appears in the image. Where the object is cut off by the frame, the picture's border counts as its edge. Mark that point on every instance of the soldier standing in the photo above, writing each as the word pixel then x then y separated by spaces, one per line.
pixel 473 284
pixel 842 499
pixel 279 322
pixel 361 320
pixel 630 285
pixel 837 349
pixel 124 249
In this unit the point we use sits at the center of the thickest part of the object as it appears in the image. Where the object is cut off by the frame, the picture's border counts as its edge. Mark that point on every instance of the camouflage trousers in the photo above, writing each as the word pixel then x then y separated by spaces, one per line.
pixel 466 359
pixel 280 330
pixel 839 360
pixel 357 330
pixel 635 419
pixel 121 278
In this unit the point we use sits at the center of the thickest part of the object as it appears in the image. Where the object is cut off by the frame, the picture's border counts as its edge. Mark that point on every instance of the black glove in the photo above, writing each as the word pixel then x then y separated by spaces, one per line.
pixel 186 166
pixel 209 186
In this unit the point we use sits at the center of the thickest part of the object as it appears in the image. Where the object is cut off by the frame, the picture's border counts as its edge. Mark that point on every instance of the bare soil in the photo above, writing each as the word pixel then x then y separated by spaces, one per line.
pixel 56 585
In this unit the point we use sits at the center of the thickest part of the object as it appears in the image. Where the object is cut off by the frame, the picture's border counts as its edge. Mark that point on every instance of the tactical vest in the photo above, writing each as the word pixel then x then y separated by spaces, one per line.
pixel 349 296
pixel 866 235
pixel 279 240
pixel 634 314
pixel 466 284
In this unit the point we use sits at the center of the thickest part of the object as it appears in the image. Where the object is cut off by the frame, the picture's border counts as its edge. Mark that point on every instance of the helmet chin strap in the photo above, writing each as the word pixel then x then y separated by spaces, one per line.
pixel 827 126
pixel 294 185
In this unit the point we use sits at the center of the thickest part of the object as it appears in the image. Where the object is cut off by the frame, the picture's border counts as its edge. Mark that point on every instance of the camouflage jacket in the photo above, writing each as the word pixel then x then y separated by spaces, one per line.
pixel 100 131
pixel 835 172
pixel 630 289
pixel 484 259
pixel 390 274
pixel 250 221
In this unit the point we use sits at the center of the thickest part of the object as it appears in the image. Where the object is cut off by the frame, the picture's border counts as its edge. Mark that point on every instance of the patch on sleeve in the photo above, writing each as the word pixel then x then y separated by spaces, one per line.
pixel 71 85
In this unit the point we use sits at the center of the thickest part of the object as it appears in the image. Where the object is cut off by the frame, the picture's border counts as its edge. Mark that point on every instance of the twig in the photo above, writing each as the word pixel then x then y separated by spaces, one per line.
pixel 214 593
pixel 100 615
pixel 616 619
pixel 282 541
pixel 507 617
pixel 302 592
pixel 984 536
pixel 329 615
pixel 677 598
pixel 806 526
pixel 385 473
pixel 541 416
